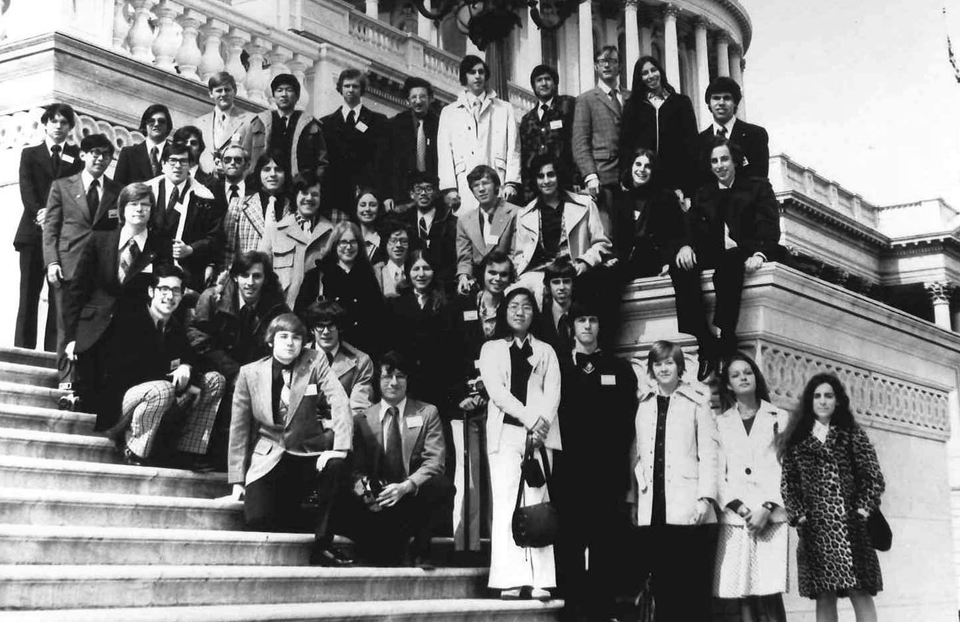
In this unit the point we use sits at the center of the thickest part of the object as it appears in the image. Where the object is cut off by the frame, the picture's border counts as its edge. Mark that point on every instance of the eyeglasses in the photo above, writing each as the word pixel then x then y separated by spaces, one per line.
pixel 425 189
pixel 398 242
pixel 608 61
pixel 347 243
pixel 157 121
pixel 233 159
pixel 166 291
pixel 525 307
pixel 325 327
pixel 178 161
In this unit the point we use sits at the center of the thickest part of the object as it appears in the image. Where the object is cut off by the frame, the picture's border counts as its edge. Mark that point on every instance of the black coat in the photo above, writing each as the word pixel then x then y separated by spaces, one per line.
pixel 441 243
pixel 203 229
pixel 133 164
pixel 551 135
pixel 355 156
pixel 402 137
pixel 754 142
pixel 750 210
pixel 36 177
pixel 671 133
pixel 654 228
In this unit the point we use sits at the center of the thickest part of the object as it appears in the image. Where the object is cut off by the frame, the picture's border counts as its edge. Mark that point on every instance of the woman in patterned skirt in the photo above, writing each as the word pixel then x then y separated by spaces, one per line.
pixel 831 484
pixel 752 551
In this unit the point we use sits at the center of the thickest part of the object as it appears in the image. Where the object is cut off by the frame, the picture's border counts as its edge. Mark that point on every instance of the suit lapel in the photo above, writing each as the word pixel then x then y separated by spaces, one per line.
pixel 44 158
pixel 79 201
pixel 606 101
pixel 573 213
pixel 106 197
pixel 253 210
pixel 410 435
pixel 230 127
pixel 298 385
pixel 342 364
pixel 499 220
pixel 261 392
pixel 472 224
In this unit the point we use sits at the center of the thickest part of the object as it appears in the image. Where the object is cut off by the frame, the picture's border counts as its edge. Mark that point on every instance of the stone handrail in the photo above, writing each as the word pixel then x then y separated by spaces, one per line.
pixel 786 175
pixel 372 32
pixel 441 62
pixel 23 128
pixel 522 99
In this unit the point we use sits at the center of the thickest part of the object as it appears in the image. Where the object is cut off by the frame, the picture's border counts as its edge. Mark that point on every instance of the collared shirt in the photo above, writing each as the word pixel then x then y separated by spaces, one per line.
pixel 372 241
pixel 50 143
pixel 86 179
pixel 516 341
pixel 820 431
pixel 401 420
pixel 606 91
pixel 344 110
pixel 727 126
pixel 241 188
pixel 558 312
pixel 548 104
pixel 169 186
pixel 476 101
pixel 126 235
pixel 427 216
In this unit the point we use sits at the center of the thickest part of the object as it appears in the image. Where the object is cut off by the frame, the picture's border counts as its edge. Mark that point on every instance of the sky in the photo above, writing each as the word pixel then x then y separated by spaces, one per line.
pixel 861 92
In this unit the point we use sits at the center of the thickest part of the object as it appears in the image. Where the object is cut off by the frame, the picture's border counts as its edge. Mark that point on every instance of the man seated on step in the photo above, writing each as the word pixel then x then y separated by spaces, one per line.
pixel 290 434
pixel 167 406
pixel 399 452
pixel 353 368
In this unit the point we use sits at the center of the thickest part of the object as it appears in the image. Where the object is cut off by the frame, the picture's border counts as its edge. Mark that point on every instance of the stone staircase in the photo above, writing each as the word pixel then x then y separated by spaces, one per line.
pixel 85 538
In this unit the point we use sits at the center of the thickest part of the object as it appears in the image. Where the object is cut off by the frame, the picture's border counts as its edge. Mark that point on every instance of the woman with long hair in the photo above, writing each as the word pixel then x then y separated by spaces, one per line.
pixel 246 220
pixel 752 550
pixel 522 377
pixel 831 484
pixel 370 212
pixel 662 120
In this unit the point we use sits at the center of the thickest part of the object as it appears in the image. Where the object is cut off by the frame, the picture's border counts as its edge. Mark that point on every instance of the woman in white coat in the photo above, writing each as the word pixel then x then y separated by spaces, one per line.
pixel 674 465
pixel 522 377
pixel 752 550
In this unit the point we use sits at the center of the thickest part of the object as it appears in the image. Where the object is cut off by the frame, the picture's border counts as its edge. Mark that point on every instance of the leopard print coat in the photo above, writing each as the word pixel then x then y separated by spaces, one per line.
pixel 826 483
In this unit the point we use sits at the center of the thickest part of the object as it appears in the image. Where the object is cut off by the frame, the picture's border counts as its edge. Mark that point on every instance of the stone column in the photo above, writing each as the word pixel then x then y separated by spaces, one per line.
pixel 631 34
pixel 372 8
pixel 940 293
pixel 736 72
pixel 586 43
pixel 235 42
pixel 532 49
pixel 646 30
pixel 257 79
pixel 671 49
pixel 298 67
pixel 703 69
pixel 121 26
pixel 211 62
pixel 723 54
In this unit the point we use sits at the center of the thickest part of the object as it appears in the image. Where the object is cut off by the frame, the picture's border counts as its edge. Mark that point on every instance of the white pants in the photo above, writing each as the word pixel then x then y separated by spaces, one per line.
pixel 510 565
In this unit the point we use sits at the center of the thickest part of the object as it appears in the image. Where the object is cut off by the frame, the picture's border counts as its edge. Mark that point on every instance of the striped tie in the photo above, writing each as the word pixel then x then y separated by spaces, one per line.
pixel 129 255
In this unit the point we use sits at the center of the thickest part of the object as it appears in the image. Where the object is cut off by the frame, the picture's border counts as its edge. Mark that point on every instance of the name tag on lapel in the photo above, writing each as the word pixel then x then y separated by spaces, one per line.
pixel 148 269
pixel 112 213
pixel 471 316
pixel 491 239
pixel 310 390
pixel 556 124
pixel 476 364
pixel 414 421
pixel 608 380
pixel 67 158
pixel 361 127
pixel 174 364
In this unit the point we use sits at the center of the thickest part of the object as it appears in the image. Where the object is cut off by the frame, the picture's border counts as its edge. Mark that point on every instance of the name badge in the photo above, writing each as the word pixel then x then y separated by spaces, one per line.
pixel 414 421
pixel 636 214
pixel 174 364
pixel 608 380
pixel 112 213
pixel 491 239
pixel 556 124
pixel 148 269
pixel 476 364
pixel 310 390
pixel 67 158
pixel 471 316
pixel 361 126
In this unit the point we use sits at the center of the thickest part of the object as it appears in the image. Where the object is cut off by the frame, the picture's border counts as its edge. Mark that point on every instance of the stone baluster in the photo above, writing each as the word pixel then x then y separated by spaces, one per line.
pixel 211 61
pixel 189 54
pixel 140 37
pixel 258 80
pixel 235 41
pixel 167 43
pixel 298 67
pixel 671 48
pixel 703 67
pixel 121 24
pixel 723 54
pixel 278 57
pixel 372 8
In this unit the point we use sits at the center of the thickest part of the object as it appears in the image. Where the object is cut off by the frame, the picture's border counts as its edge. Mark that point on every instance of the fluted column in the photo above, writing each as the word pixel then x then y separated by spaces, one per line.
pixel 121 24
pixel 631 34
pixel 940 293
pixel 585 46
pixel 372 8
pixel 723 54
pixel 646 16
pixel 532 48
pixel 671 49
pixel 189 54
pixel 236 40
pixel 298 67
pixel 258 80
pixel 140 37
pixel 703 69
pixel 210 61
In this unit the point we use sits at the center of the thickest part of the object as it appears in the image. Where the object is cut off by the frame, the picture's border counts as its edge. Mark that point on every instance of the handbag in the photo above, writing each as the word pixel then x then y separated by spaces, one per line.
pixel 535 526
pixel 881 537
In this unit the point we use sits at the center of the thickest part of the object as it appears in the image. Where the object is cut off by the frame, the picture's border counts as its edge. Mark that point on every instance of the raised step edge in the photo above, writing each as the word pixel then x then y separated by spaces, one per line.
pixel 106 469
pixel 84 497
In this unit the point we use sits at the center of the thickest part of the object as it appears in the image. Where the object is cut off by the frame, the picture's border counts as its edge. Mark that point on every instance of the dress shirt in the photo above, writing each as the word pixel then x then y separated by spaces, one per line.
pixel 86 178
pixel 127 234
pixel 50 143
pixel 820 431
pixel 606 91
pixel 548 104
pixel 427 216
pixel 241 188
pixel 344 110
pixel 727 126
pixel 401 407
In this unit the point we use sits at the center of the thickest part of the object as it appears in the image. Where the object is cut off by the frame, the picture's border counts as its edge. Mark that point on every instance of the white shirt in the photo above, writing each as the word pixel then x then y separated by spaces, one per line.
pixel 344 110
pixel 86 179
pixel 241 188
pixel 558 312
pixel 606 90
pixel 49 143
pixel 820 431
pixel 427 217
pixel 548 104
pixel 126 234
pixel 727 126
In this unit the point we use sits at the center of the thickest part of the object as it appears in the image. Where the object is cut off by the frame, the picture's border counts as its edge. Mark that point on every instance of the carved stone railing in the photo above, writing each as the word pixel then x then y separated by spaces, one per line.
pixel 787 175
pixel 374 33
pixel 441 62
pixel 522 99
pixel 23 128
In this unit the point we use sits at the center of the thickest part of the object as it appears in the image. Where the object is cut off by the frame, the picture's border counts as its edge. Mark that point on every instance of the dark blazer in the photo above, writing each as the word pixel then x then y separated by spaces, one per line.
pixel 355 156
pixel 96 293
pixel 133 164
pixel 754 142
pixel 424 450
pixel 36 177
pixel 671 133
pixel 441 243
pixel 750 210
pixel 68 224
pixel 402 136
pixel 653 231
pixel 596 135
pixel 551 135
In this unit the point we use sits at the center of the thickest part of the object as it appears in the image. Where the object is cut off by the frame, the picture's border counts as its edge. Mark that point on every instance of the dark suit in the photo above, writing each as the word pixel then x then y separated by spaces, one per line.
pixel 440 244
pixel 402 132
pixel 355 155
pixel 752 140
pixel 133 164
pixel 36 176
pixel 655 229
pixel 751 212
pixel 553 135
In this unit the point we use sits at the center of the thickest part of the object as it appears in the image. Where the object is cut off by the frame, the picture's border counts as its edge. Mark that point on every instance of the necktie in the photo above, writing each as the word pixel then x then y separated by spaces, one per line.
pixel 615 100
pixel 93 198
pixel 129 255
pixel 174 198
pixel 544 109
pixel 55 158
pixel 423 231
pixel 564 330
pixel 329 357
pixel 394 447
pixel 155 161
pixel 234 192
pixel 371 248
pixel 351 119
pixel 421 147
pixel 270 214
pixel 722 132
pixel 284 124
pixel 284 405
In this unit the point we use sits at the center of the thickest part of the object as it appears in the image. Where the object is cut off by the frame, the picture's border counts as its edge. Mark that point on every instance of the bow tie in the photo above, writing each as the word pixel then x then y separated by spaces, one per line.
pixel 587 362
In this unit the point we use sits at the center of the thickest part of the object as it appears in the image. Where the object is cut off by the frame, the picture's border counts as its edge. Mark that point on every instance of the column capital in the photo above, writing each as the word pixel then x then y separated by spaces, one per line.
pixel 940 291
pixel 701 23
pixel 671 11
pixel 631 4
pixel 723 37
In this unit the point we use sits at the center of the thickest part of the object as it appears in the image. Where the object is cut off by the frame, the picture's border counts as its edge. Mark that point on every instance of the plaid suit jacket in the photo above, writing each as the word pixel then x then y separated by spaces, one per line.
pixel 553 134
pixel 596 135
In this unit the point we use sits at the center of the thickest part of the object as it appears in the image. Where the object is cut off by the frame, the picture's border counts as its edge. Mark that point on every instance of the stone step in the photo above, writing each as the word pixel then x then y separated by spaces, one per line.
pixel 40 473
pixel 67 545
pixel 28 374
pixel 78 587
pixel 98 509
pixel 17 416
pixel 28 357
pixel 57 446
pixel 453 610
pixel 26 395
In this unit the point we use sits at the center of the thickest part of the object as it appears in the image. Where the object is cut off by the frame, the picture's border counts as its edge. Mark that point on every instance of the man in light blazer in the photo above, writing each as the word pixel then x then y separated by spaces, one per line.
pixel 76 205
pixel 483 229
pixel 290 432
pixel 353 368
pixel 226 123
pixel 399 443
pixel 596 132
pixel 141 162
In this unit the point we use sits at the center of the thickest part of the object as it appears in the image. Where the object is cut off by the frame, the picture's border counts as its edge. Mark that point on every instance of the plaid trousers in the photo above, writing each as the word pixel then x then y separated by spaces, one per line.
pixel 146 405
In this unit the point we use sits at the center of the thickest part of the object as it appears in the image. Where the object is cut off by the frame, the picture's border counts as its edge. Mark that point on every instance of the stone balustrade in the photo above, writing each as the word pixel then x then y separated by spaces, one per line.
pixel 522 99
pixel 789 176
pixel 23 128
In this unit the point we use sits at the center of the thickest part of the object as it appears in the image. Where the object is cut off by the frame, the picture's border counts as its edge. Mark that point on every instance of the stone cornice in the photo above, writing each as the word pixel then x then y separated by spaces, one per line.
pixel 792 199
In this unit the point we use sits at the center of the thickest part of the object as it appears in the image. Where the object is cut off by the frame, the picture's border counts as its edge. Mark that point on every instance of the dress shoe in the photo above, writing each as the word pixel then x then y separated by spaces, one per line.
pixel 511 594
pixel 538 593
pixel 132 459
pixel 708 367
pixel 330 557
pixel 70 402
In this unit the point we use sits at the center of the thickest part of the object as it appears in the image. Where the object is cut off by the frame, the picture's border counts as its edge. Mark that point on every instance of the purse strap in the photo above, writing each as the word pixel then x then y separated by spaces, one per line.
pixel 528 454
